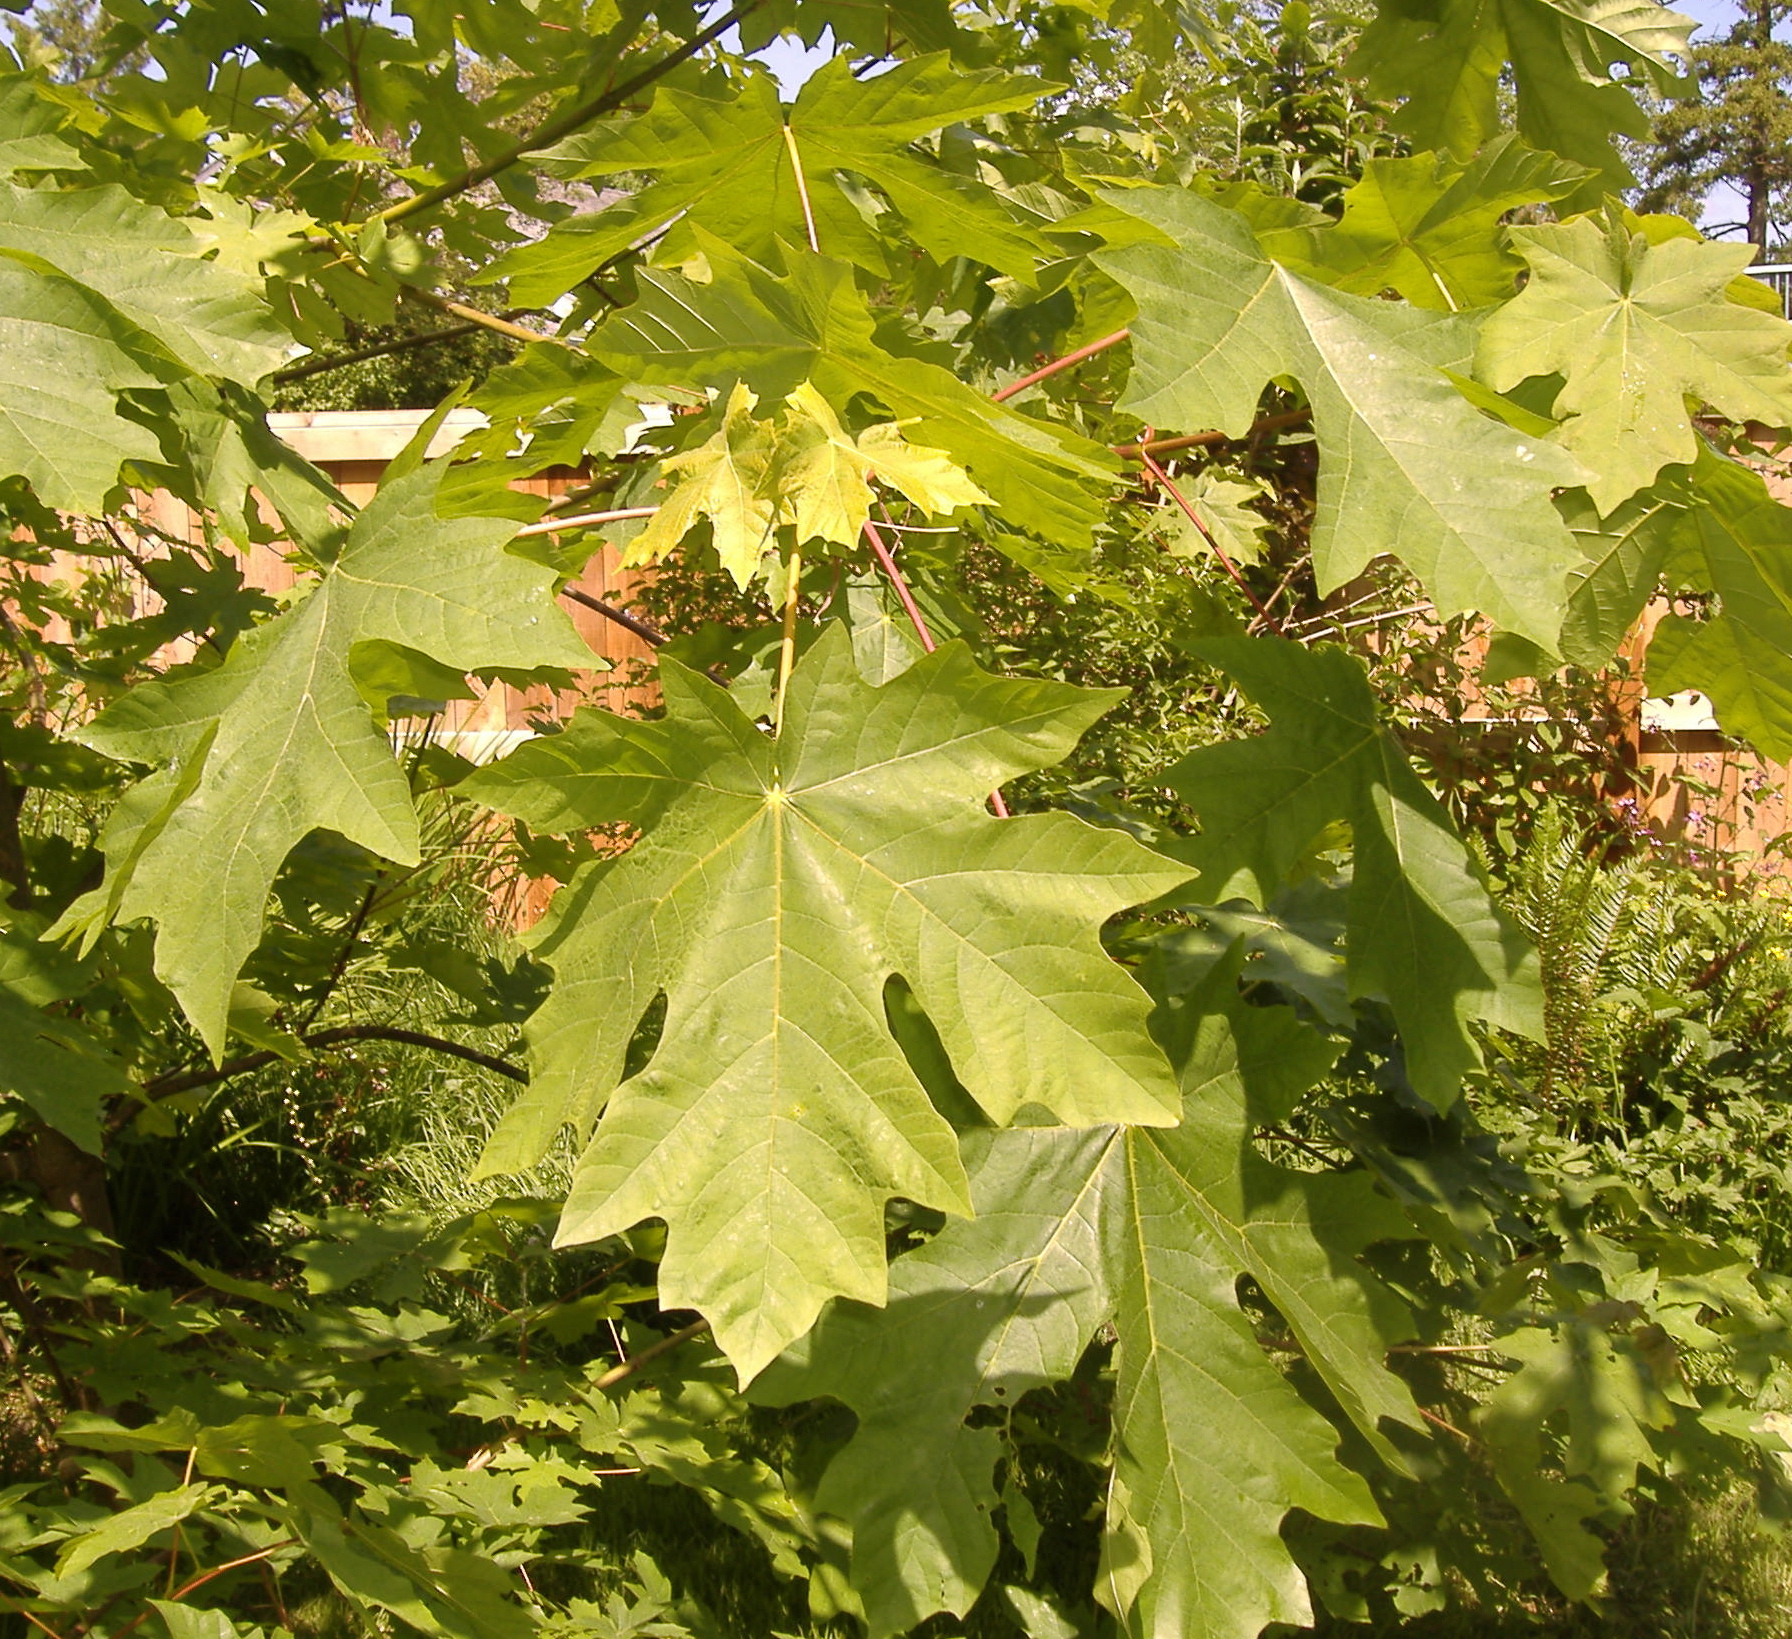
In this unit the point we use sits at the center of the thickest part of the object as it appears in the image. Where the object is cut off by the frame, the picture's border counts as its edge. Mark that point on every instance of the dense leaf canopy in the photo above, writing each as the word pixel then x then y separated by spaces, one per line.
pixel 932 1082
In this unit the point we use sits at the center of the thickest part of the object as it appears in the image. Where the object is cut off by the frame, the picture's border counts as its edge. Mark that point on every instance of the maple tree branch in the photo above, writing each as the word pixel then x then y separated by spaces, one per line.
pixel 195 1583
pixel 338 1035
pixel 787 645
pixel 1064 363
pixel 802 188
pixel 564 124
pixel 634 1363
pixel 585 520
pixel 1207 440
pixel 404 344
pixel 42 1627
pixel 887 559
pixel 1194 518
pixel 473 316
pixel 641 628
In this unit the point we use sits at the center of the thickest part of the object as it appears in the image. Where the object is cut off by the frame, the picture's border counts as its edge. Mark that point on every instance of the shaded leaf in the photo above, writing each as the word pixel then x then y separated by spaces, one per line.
pixel 1422 935
pixel 1151 1230
pixel 1407 466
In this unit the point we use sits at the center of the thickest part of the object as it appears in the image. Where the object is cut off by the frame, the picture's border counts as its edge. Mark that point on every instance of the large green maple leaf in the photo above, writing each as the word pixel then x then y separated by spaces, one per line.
pixel 278 741
pixel 1422 935
pixel 1447 60
pixel 812 324
pixel 1735 542
pixel 149 267
pixel 1634 328
pixel 778 886
pixel 1428 226
pixel 1150 1230
pixel 1407 466
pixel 729 165
pixel 100 294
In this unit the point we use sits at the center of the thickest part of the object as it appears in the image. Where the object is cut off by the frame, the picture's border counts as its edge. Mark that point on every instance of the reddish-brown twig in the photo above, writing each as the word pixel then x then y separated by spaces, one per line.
pixel 1176 495
pixel 1064 363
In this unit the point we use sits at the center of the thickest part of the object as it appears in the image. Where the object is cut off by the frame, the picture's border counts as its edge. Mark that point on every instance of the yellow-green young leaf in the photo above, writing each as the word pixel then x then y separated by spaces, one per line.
pixel 777 888
pixel 823 472
pixel 1429 226
pixel 1423 936
pixel 1635 329
pixel 928 477
pixel 823 475
pixel 727 479
pixel 1151 1231
pixel 285 743
pixel 1736 542
pixel 1453 60
pixel 1406 465
pixel 777 331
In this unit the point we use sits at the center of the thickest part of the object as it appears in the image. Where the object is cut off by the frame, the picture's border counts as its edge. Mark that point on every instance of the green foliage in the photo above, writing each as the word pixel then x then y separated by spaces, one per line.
pixel 774 1051
pixel 1164 1211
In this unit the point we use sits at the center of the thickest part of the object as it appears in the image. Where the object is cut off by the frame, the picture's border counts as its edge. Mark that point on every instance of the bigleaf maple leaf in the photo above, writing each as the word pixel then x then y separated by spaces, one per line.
pixel 1737 543
pixel 1150 1230
pixel 1449 58
pixel 100 293
pixel 1423 935
pixel 779 885
pixel 752 174
pixel 1427 226
pixel 1407 465
pixel 278 741
pixel 1634 328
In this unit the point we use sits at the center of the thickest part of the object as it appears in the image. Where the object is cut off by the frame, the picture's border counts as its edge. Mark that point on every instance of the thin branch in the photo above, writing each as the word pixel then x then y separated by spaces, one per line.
pixel 802 188
pixel 564 124
pixel 787 645
pixel 185 1080
pixel 1068 361
pixel 1207 440
pixel 195 1583
pixel 473 316
pixel 887 559
pixel 618 1374
pixel 340 966
pixel 641 628
pixel 1214 546
pixel 338 361
pixel 585 520
pixel 42 1627
pixel 1448 1428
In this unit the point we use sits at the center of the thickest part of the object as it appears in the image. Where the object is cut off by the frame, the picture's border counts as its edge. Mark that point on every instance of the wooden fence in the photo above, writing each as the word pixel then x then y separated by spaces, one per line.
pixel 353 449
pixel 1688 785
